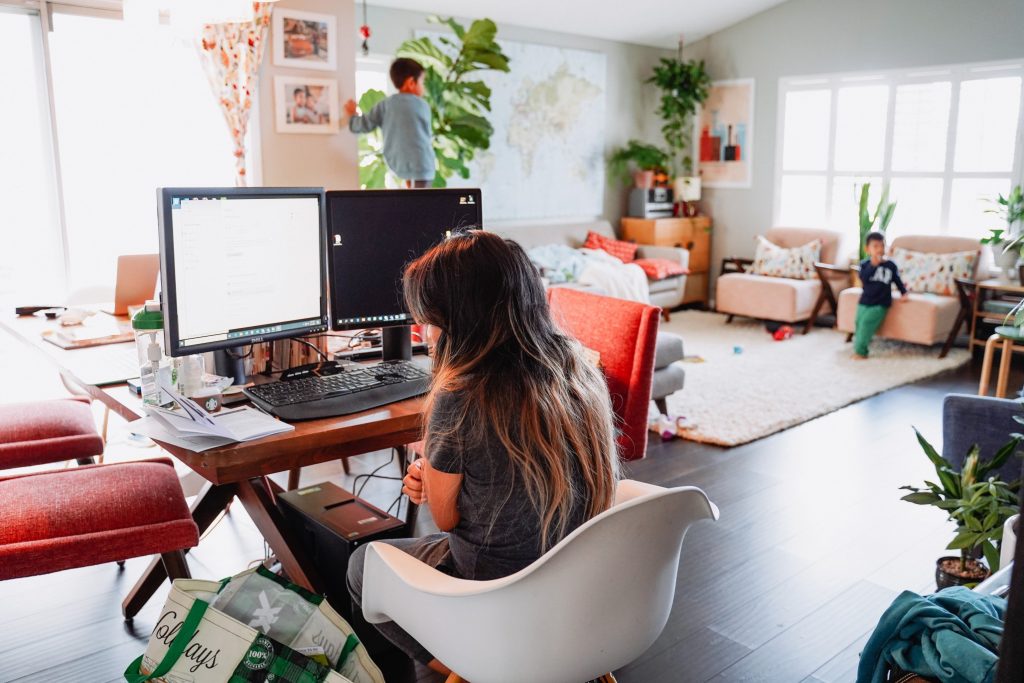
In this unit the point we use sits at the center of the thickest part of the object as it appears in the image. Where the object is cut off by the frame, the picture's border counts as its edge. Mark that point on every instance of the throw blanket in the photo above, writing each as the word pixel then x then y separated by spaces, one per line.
pixel 952 636
pixel 592 268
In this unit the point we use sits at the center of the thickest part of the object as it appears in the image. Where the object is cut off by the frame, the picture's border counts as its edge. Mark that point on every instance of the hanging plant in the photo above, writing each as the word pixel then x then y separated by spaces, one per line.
pixel 684 85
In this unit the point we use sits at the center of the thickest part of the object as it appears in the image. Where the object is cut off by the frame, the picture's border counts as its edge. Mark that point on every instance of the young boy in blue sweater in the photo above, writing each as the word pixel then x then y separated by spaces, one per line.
pixel 877 276
pixel 405 122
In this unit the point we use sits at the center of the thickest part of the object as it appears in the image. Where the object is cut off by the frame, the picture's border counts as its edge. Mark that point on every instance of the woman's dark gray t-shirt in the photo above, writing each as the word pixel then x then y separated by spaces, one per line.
pixel 499 530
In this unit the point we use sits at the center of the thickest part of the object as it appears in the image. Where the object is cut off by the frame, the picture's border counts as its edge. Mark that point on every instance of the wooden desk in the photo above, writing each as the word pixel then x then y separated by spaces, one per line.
pixel 987 289
pixel 241 469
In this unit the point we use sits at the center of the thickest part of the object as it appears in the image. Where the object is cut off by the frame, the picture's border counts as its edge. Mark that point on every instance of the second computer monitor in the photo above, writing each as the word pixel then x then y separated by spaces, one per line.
pixel 373 234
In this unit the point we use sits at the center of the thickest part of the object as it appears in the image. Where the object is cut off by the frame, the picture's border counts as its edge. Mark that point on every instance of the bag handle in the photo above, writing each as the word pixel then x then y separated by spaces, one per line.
pixel 188 629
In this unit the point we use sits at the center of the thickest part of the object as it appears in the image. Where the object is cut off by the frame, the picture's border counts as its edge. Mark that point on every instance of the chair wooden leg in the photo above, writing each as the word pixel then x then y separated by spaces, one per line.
pixel 1004 368
pixel 729 318
pixel 822 298
pixel 986 364
pixel 961 318
pixel 665 315
pixel 293 478
pixel 849 337
pixel 662 405
pixel 344 466
pixel 453 678
pixel 176 565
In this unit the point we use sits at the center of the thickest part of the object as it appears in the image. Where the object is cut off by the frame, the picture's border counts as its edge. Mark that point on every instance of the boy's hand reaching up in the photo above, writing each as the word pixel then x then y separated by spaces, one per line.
pixel 350 107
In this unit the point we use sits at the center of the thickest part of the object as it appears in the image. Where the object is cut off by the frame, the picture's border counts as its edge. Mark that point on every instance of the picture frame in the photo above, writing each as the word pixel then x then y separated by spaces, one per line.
pixel 306 105
pixel 724 135
pixel 305 40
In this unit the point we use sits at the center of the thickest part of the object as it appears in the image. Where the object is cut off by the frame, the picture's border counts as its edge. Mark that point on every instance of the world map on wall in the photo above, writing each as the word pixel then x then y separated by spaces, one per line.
pixel 546 158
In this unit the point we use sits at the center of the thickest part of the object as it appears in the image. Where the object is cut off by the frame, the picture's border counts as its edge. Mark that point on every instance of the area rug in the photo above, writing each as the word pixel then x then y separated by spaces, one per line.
pixel 750 386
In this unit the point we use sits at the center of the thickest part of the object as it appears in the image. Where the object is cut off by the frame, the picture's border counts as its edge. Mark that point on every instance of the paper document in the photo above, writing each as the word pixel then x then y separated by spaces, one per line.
pixel 190 421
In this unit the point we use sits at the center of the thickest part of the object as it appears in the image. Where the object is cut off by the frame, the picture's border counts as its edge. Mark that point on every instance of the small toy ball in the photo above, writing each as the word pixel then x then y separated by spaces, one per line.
pixel 737 350
pixel 784 332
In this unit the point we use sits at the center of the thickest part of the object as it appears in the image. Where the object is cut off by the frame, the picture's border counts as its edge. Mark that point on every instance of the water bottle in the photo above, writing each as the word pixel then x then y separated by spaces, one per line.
pixel 148 324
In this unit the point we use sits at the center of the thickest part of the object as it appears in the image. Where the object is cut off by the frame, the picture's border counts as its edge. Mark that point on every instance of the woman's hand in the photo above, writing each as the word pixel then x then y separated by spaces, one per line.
pixel 412 484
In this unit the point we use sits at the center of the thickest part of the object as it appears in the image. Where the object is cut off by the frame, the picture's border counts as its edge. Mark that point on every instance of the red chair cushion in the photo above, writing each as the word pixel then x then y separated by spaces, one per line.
pixel 624 251
pixel 43 432
pixel 625 334
pixel 62 519
pixel 661 268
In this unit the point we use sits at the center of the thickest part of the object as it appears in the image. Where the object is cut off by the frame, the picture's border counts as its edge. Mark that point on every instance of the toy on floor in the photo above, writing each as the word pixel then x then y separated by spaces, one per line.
pixel 737 350
pixel 669 427
pixel 782 333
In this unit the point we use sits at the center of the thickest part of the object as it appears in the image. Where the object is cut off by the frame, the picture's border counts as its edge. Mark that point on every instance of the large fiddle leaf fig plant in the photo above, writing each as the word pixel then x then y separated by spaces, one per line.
pixel 459 103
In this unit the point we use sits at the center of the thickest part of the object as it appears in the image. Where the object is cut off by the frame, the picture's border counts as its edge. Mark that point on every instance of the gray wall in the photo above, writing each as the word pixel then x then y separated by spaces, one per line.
pixel 629 104
pixel 803 37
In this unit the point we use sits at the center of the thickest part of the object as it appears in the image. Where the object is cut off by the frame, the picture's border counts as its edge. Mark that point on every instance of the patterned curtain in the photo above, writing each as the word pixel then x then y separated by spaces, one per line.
pixel 231 56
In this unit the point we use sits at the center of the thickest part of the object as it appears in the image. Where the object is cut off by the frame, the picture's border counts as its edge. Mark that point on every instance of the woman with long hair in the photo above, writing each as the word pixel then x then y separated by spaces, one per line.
pixel 519 443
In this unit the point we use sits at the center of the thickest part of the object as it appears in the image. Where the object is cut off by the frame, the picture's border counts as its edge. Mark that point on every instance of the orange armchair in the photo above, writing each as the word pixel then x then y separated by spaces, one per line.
pixel 624 333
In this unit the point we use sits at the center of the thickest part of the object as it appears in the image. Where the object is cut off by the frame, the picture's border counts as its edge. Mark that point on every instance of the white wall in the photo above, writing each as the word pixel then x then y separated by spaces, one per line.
pixel 629 104
pixel 803 37
pixel 304 159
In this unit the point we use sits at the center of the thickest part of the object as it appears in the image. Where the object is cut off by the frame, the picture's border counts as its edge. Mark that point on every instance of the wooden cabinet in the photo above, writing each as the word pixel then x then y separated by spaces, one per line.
pixel 692 234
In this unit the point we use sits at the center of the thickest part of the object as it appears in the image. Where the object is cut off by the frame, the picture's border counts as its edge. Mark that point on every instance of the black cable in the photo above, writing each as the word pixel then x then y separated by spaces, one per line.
pixel 372 475
pixel 397 501
pixel 231 353
pixel 312 346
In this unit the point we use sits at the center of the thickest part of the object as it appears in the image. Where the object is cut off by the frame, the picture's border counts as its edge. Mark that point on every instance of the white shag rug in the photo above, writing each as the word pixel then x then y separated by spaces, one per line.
pixel 733 398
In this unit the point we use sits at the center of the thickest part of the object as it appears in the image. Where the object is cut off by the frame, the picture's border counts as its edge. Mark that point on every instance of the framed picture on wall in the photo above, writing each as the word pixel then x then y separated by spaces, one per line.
pixel 725 134
pixel 305 40
pixel 305 105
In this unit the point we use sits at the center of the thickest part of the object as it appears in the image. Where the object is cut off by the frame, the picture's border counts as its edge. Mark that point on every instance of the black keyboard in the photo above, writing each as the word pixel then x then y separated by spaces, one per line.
pixel 349 391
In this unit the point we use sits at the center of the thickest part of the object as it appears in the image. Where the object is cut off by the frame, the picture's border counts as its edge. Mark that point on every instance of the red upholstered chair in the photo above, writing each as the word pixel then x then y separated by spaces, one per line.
pixel 81 516
pixel 44 432
pixel 625 334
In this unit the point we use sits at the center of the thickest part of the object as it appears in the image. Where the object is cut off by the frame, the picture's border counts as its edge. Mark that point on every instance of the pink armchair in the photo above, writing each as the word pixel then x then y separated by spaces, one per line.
pixel 927 318
pixel 774 298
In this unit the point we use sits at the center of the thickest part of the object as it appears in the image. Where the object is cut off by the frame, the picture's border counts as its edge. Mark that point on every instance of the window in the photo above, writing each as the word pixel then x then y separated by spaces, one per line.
pixel 134 112
pixel 31 259
pixel 946 140
pixel 372 73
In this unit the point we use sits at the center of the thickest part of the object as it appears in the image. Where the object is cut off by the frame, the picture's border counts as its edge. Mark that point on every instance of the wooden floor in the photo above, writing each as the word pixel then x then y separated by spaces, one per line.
pixel 813 543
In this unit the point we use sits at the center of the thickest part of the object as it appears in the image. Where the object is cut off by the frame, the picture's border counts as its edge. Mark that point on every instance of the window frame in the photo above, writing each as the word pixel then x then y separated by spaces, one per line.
pixel 893 78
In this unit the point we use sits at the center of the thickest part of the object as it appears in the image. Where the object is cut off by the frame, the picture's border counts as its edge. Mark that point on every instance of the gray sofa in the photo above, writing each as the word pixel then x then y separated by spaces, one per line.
pixel 666 294
pixel 669 376
pixel 988 422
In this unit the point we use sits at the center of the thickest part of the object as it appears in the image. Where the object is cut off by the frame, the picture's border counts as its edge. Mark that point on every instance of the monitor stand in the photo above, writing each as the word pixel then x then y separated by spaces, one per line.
pixel 231 363
pixel 396 343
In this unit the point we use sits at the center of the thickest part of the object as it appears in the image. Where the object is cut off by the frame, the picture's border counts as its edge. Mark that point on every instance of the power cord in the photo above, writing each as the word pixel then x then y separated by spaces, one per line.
pixel 312 346
pixel 373 475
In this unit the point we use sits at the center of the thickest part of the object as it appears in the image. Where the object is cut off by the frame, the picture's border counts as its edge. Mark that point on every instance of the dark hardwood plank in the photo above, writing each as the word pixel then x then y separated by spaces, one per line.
pixel 696 658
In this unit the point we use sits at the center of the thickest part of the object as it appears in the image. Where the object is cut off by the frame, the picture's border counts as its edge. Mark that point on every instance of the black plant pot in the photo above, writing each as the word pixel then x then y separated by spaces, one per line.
pixel 945 579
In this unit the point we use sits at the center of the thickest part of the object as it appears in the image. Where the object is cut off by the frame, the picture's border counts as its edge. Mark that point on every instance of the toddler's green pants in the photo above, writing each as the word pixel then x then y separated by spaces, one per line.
pixel 869 319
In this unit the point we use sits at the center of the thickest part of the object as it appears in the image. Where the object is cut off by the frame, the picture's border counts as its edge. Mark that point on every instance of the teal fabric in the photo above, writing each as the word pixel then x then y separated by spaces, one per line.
pixel 995 306
pixel 952 636
pixel 869 319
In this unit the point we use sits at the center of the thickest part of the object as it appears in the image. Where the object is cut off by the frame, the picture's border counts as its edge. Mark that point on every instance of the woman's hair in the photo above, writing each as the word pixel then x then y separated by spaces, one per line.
pixel 516 373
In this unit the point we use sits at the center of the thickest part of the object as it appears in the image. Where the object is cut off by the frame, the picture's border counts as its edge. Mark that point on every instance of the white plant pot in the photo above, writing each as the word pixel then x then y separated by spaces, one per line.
pixel 1006 260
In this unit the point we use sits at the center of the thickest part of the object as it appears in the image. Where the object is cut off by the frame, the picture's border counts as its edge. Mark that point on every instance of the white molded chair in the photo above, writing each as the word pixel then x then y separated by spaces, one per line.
pixel 592 604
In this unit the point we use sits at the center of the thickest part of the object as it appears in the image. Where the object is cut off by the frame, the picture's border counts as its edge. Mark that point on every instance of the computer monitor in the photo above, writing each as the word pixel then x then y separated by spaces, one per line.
pixel 240 266
pixel 372 236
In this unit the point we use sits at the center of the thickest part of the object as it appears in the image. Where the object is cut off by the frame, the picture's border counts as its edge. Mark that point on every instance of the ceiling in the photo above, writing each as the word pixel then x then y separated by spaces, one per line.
pixel 657 23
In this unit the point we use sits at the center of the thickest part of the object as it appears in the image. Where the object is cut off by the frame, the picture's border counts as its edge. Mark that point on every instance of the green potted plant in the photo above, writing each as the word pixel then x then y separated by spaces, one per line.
pixel 977 503
pixel 877 222
pixel 639 160
pixel 459 104
pixel 1007 244
pixel 684 86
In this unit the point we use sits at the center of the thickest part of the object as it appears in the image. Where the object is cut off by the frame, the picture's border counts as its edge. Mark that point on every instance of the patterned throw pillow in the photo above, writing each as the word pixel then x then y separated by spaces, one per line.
pixel 624 251
pixel 933 273
pixel 796 263
pixel 661 268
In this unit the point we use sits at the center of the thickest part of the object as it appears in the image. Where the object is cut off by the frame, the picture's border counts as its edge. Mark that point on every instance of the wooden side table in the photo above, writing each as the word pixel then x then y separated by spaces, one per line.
pixel 992 290
pixel 692 234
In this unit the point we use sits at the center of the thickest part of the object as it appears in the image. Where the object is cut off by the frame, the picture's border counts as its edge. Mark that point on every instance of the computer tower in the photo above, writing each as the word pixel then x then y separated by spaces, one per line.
pixel 332 523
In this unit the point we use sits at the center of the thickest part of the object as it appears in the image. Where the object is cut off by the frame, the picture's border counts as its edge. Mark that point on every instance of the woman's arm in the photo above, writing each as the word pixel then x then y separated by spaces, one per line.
pixel 442 493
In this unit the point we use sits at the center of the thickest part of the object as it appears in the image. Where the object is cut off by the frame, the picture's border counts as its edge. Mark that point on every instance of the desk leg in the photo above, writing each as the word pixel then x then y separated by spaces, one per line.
pixel 257 495
pixel 208 506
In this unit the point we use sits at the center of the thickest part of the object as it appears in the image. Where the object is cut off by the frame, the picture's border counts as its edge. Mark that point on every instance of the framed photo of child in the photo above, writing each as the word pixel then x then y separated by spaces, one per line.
pixel 304 40
pixel 305 105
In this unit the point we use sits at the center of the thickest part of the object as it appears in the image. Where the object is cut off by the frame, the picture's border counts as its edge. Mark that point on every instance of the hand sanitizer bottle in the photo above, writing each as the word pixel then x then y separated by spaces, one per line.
pixel 148 324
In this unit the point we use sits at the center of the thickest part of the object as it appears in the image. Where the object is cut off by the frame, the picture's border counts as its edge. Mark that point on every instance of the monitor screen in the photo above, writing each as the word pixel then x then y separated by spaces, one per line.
pixel 240 265
pixel 373 234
